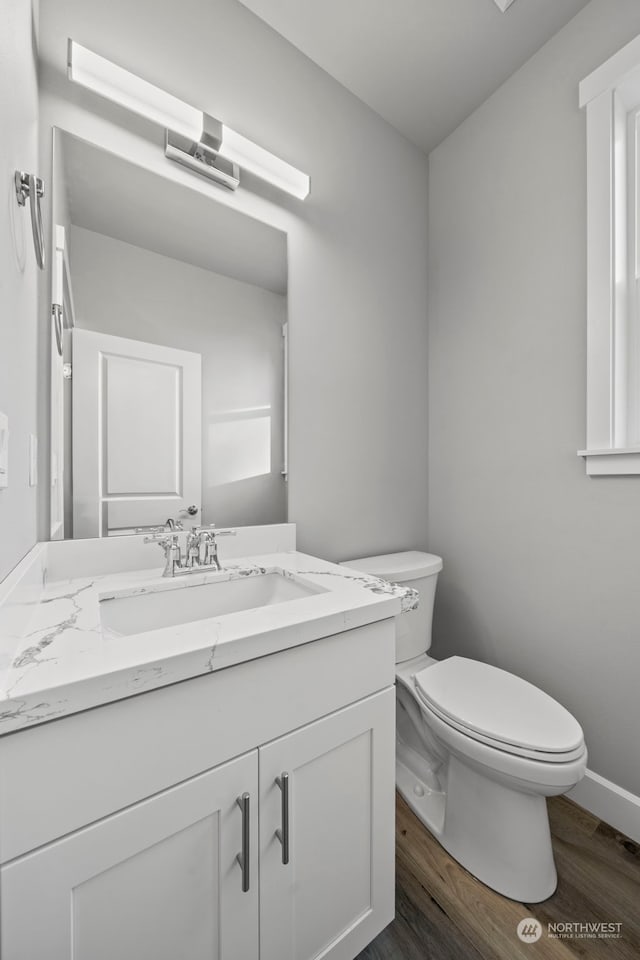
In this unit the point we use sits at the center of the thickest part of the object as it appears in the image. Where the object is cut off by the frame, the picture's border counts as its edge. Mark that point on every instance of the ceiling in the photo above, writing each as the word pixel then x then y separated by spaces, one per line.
pixel 109 195
pixel 423 65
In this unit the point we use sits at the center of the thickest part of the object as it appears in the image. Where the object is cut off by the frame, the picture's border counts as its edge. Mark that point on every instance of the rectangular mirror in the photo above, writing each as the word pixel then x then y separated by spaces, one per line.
pixel 169 346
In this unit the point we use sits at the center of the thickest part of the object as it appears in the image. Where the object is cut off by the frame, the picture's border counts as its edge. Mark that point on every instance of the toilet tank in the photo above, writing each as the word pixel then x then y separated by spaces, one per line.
pixel 412 569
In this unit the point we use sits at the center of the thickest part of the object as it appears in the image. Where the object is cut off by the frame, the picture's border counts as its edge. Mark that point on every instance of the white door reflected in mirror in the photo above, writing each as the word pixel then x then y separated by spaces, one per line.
pixel 137 433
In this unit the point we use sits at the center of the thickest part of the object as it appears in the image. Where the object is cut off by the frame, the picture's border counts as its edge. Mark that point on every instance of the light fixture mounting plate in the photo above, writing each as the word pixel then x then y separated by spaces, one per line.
pixel 202 159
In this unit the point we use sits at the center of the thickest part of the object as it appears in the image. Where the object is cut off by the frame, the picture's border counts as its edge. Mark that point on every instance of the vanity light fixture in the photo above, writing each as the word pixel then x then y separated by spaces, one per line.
pixel 193 138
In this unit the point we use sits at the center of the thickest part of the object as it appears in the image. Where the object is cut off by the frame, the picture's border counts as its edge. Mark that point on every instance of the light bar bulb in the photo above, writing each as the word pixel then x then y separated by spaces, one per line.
pixel 131 92
pixel 249 156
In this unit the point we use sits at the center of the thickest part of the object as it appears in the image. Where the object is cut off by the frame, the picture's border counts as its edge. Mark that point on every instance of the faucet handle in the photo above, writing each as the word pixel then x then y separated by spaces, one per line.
pixel 204 528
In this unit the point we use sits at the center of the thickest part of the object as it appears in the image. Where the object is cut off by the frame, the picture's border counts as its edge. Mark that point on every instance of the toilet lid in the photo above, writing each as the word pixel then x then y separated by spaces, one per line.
pixel 490 703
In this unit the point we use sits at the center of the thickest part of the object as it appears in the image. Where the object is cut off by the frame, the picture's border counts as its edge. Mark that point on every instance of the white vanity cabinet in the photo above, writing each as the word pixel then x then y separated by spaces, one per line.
pixel 98 864
pixel 338 885
pixel 157 881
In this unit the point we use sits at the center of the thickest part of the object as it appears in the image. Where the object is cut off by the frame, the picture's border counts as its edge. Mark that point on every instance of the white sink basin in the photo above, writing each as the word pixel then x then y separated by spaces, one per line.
pixel 170 607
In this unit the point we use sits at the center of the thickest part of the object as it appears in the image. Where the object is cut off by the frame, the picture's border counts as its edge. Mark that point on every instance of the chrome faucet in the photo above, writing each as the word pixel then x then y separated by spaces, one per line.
pixel 201 550
pixel 209 543
pixel 192 558
pixel 172 553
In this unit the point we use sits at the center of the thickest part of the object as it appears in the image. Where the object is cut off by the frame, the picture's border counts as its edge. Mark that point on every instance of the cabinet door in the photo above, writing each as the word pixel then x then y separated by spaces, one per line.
pixel 157 881
pixel 337 891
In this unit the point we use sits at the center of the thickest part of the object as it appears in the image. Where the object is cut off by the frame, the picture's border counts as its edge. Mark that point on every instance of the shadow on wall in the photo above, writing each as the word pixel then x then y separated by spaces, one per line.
pixel 457 630
pixel 249 502
pixel 243 481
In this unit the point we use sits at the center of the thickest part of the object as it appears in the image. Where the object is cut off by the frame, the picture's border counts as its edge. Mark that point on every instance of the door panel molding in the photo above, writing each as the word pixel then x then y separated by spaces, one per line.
pixel 137 433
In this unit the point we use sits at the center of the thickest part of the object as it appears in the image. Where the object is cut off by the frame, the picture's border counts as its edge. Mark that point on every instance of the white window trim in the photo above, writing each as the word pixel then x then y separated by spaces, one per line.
pixel 610 94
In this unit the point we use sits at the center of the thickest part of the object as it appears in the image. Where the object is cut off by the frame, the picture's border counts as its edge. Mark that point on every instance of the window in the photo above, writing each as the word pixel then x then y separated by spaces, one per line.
pixel 611 96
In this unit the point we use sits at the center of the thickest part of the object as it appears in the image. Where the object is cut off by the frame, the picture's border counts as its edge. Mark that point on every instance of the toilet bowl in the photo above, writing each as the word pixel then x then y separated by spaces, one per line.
pixel 478 749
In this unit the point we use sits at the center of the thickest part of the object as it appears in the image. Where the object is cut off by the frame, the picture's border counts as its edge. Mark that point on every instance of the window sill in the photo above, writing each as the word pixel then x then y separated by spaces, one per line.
pixel 618 462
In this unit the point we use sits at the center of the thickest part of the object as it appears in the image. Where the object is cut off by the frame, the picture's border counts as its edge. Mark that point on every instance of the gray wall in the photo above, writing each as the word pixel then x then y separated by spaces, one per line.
pixel 126 291
pixel 542 564
pixel 18 316
pixel 357 247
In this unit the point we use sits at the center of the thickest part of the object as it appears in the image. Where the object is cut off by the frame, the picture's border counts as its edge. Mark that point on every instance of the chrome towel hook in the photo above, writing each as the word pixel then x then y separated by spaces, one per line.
pixel 27 185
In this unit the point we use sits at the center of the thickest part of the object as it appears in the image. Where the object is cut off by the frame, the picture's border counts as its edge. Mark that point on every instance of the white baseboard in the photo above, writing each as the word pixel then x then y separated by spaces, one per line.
pixel 609 802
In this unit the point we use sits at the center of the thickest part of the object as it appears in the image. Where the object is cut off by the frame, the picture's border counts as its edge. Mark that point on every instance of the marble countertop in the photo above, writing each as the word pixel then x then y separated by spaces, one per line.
pixel 62 660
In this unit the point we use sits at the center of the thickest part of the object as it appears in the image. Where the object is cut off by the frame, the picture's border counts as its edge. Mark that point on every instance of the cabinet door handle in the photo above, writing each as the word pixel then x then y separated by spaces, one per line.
pixel 283 834
pixel 243 857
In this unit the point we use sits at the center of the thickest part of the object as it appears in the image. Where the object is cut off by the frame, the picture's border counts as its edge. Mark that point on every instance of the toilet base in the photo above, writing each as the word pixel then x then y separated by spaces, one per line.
pixel 499 835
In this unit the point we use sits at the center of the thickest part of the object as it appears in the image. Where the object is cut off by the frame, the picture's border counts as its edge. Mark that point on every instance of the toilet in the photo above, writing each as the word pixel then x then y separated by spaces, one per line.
pixel 478 749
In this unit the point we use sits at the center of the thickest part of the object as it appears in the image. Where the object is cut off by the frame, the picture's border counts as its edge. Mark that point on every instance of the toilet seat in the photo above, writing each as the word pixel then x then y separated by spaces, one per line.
pixel 499 709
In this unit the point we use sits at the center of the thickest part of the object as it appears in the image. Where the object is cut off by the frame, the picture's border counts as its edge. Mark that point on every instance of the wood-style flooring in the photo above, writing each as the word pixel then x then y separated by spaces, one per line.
pixel 443 913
